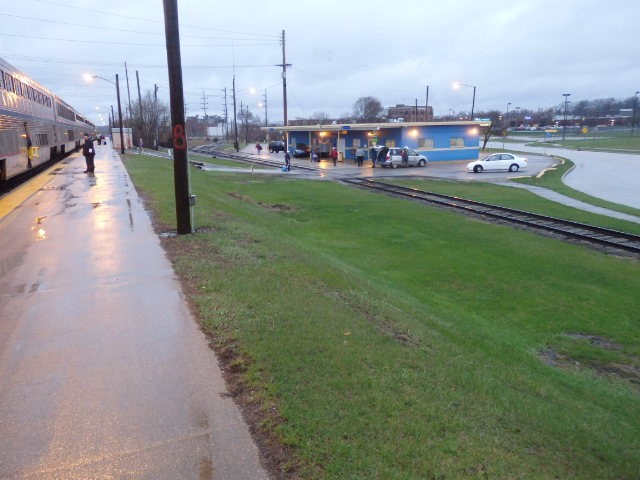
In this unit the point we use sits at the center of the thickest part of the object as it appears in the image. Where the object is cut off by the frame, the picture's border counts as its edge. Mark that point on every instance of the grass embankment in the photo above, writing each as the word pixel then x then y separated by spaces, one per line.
pixel 401 341
pixel 528 201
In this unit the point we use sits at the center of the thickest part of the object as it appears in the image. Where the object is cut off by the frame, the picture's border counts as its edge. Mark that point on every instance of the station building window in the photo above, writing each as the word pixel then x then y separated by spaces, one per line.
pixel 456 142
pixel 425 143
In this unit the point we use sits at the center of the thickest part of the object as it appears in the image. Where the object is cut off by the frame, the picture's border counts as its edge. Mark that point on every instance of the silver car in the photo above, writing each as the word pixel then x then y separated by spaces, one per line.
pixel 393 158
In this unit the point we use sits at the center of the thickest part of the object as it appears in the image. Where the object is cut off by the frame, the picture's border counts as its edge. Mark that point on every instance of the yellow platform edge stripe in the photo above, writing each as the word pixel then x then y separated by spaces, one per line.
pixel 16 197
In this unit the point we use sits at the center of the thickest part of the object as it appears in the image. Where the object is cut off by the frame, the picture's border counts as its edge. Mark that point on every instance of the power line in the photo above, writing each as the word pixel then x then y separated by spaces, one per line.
pixel 96 42
pixel 161 22
pixel 93 27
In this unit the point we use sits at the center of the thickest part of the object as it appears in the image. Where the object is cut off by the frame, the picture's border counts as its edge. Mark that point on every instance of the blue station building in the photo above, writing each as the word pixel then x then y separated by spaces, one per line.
pixel 438 141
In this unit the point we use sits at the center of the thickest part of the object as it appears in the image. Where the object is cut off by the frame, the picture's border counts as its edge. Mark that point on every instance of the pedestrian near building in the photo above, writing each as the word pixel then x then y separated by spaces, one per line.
pixel 287 161
pixel 334 155
pixel 258 148
pixel 382 154
pixel 89 153
pixel 405 156
pixel 360 156
pixel 372 155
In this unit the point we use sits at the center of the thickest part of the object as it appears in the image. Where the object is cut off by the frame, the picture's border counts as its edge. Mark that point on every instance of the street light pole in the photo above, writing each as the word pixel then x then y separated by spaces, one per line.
pixel 120 116
pixel 564 126
pixel 506 131
pixel 88 77
pixel 633 117
pixel 473 102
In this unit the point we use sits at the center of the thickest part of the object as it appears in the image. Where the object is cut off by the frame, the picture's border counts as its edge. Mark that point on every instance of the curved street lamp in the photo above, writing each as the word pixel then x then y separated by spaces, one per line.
pixel 457 85
pixel 88 77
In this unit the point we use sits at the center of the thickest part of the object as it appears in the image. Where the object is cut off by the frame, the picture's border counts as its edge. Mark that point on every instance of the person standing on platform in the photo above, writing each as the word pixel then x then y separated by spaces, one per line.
pixel 140 147
pixel 373 154
pixel 89 152
pixel 360 156
pixel 258 148
pixel 334 155
pixel 287 161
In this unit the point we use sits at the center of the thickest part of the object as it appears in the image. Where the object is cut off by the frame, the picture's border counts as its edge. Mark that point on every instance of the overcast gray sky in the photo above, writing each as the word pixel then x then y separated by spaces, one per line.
pixel 525 52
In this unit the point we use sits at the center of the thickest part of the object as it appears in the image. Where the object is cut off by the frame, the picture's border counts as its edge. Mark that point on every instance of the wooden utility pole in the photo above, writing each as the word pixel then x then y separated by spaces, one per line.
pixel 180 159
pixel 284 66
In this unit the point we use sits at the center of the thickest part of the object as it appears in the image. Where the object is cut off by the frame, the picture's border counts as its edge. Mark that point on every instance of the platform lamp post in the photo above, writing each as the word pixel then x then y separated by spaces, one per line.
pixel 88 77
pixel 506 130
pixel 564 125
pixel 633 116
pixel 457 85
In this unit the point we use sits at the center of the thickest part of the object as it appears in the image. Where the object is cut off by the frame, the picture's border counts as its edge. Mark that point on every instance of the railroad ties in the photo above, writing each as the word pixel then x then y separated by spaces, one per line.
pixel 590 234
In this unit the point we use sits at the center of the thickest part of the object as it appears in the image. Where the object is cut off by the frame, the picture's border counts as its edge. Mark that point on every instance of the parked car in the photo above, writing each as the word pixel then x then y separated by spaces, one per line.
pixel 301 150
pixel 498 161
pixel 276 146
pixel 393 158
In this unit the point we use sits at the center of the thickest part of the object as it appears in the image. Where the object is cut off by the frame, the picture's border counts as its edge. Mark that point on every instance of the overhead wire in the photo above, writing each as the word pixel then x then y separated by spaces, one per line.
pixel 141 19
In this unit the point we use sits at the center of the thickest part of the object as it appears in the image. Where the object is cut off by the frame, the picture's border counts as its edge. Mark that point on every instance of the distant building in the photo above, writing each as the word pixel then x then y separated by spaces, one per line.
pixel 438 141
pixel 410 113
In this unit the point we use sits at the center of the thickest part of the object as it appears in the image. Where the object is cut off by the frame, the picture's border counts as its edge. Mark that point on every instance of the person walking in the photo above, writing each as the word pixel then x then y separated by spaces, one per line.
pixel 334 155
pixel 372 155
pixel 287 161
pixel 258 148
pixel 360 156
pixel 89 152
pixel 140 146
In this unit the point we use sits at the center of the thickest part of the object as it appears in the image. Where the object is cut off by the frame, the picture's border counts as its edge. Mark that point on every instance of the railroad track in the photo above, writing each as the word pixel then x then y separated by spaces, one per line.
pixel 255 160
pixel 579 231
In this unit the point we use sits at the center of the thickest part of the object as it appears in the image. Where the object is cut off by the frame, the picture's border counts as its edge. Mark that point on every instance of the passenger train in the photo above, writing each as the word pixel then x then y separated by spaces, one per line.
pixel 36 126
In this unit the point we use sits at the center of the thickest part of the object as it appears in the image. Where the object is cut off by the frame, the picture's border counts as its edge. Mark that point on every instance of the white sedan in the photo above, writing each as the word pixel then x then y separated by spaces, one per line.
pixel 498 161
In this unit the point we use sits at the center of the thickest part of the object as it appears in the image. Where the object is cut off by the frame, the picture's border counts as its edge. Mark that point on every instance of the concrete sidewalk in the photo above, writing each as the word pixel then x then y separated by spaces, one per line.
pixel 103 371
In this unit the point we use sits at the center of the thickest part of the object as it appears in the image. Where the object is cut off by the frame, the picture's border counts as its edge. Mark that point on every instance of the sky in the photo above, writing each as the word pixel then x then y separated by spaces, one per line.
pixel 524 53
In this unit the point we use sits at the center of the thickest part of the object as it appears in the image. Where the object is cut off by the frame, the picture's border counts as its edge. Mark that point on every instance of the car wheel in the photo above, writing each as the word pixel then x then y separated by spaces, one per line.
pixel 477 169
pixel 514 167
pixel 422 163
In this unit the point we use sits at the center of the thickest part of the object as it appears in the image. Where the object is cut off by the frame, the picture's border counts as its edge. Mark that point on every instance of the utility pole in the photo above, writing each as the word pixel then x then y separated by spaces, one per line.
pixel 564 126
pixel 426 106
pixel 226 115
pixel 206 121
pixel 266 121
pixel 140 104
pixel 155 114
pixel 126 73
pixel 284 66
pixel 235 118
pixel 180 159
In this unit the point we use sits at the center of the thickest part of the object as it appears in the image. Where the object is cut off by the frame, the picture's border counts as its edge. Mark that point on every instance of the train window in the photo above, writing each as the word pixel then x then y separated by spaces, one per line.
pixel 17 87
pixel 70 136
pixel 1 79
pixel 41 139
pixel 8 141
pixel 8 82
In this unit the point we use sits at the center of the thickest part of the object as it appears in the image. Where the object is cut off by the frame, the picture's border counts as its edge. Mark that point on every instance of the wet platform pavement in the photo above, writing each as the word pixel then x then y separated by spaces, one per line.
pixel 104 373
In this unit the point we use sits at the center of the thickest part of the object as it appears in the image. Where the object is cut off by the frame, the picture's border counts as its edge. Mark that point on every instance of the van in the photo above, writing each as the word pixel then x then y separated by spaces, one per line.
pixel 276 146
pixel 393 158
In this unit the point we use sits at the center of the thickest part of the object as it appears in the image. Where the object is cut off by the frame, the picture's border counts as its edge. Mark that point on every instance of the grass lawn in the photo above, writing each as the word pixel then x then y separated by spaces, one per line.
pixel 401 341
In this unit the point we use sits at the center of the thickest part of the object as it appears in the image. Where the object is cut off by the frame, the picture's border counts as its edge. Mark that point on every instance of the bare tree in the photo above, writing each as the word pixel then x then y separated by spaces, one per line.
pixel 367 109
pixel 321 118
pixel 155 118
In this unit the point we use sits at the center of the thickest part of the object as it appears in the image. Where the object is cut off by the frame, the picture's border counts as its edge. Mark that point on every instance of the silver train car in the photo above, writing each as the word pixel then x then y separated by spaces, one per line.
pixel 36 126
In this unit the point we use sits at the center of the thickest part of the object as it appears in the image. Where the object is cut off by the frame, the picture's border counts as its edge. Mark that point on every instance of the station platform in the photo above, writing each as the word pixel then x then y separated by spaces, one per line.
pixel 104 372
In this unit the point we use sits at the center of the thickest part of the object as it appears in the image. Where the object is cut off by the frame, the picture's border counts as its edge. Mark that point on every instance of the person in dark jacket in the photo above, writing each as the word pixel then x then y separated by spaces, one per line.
pixel 89 152
pixel 372 155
